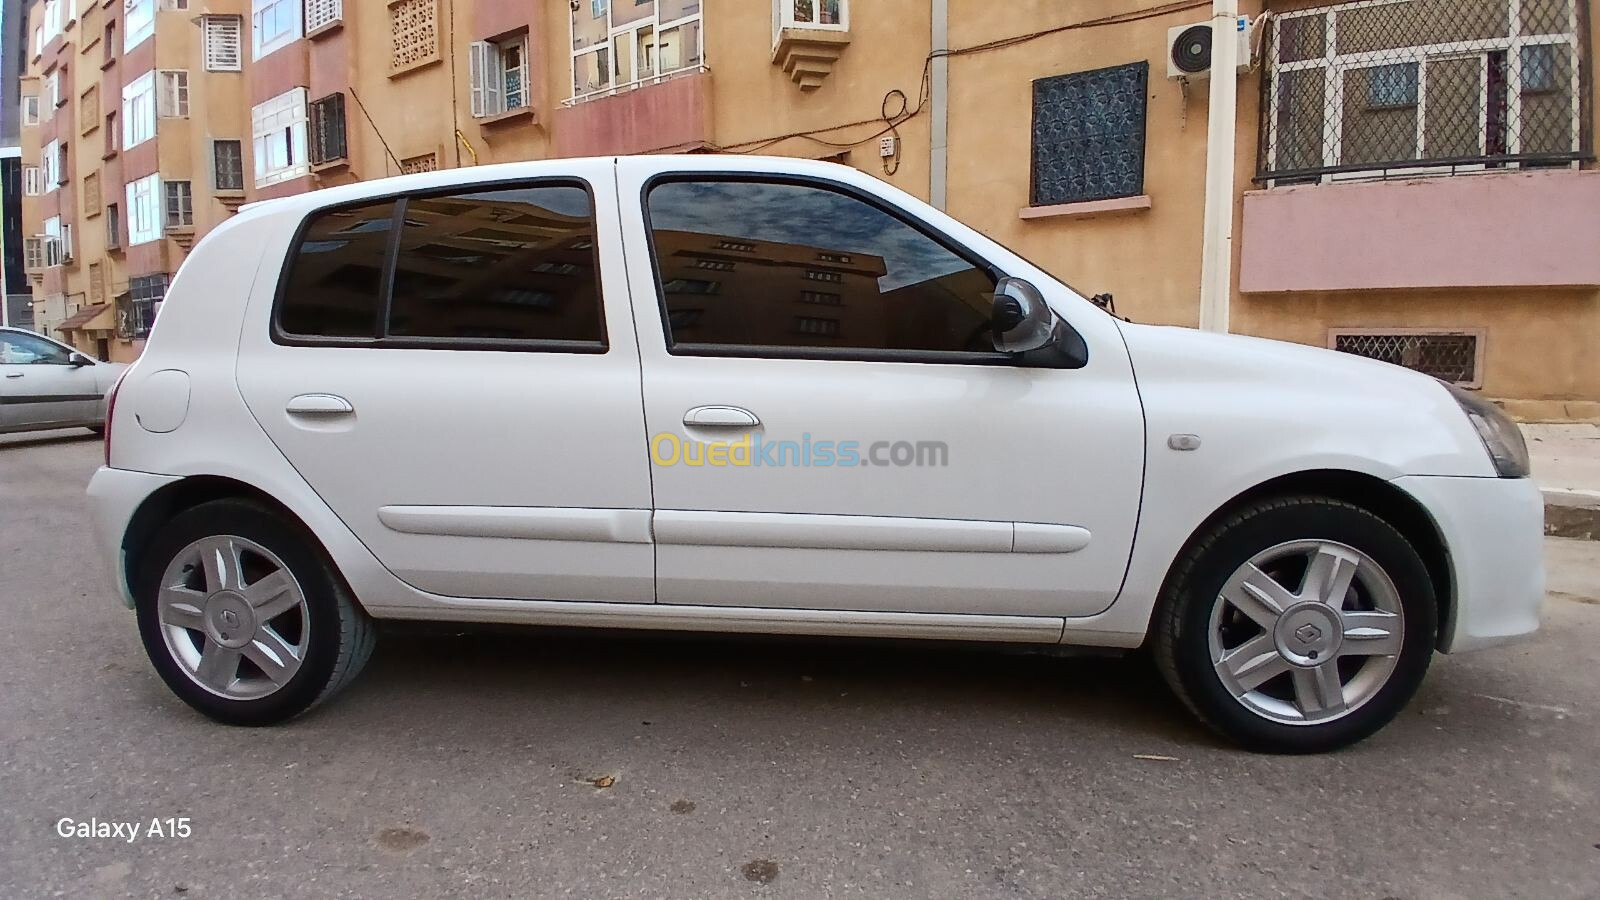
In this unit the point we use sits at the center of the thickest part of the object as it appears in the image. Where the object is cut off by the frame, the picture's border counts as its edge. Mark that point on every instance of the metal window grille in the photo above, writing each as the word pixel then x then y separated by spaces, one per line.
pixel 222 43
pixel 323 12
pixel 1448 356
pixel 327 129
pixel 1089 135
pixel 1409 86
pixel 228 165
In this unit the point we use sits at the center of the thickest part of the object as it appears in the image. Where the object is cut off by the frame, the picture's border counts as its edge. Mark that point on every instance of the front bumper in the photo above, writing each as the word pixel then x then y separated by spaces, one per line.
pixel 114 496
pixel 1493 529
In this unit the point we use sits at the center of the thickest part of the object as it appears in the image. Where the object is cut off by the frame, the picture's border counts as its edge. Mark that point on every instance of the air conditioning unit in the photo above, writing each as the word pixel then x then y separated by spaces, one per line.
pixel 1189 49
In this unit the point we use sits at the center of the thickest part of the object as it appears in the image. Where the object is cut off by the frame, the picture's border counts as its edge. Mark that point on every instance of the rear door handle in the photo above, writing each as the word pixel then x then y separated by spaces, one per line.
pixel 720 417
pixel 319 405
pixel 15 374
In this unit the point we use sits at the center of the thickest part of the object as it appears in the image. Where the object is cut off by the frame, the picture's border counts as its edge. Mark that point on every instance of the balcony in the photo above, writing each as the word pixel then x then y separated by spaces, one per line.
pixel 669 115
pixel 1426 144
pixel 1382 90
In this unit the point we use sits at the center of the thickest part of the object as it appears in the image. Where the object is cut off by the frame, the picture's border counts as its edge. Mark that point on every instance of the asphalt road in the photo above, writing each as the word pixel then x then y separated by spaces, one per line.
pixel 463 765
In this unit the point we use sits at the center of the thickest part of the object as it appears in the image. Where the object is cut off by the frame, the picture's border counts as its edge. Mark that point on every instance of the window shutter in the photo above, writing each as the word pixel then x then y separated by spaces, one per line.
pixel 66 242
pixel 222 37
pixel 478 75
pixel 167 97
pixel 32 181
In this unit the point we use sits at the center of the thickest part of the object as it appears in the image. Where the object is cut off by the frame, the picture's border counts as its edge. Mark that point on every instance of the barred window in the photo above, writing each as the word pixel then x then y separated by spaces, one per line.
pixel 1089 135
pixel 136 312
pixel 327 130
pixel 227 159
pixel 321 13
pixel 1384 86
pixel 1448 356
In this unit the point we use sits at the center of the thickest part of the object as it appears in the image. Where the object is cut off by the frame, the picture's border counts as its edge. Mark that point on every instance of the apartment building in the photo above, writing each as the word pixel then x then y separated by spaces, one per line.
pixel 1414 177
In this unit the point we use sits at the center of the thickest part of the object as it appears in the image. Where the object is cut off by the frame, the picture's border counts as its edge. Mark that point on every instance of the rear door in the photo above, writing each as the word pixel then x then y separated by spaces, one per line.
pixel 39 386
pixel 455 373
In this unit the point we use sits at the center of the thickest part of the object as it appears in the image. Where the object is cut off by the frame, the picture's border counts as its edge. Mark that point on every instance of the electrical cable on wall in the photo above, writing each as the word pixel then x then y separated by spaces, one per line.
pixel 890 122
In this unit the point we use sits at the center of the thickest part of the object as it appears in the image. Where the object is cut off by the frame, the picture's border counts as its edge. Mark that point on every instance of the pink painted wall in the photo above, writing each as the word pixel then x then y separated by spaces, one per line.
pixel 672 115
pixel 1501 230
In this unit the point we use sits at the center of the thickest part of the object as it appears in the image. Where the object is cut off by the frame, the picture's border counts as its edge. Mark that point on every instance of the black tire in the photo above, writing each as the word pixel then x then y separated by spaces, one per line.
pixel 1183 619
pixel 341 635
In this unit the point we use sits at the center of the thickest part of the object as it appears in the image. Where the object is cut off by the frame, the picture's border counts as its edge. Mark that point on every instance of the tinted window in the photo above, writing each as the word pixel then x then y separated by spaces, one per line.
pixel 513 264
pixel 785 265
pixel 335 282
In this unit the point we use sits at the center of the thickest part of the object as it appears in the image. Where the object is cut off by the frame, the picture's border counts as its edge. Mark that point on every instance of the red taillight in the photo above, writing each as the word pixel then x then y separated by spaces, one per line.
pixel 111 410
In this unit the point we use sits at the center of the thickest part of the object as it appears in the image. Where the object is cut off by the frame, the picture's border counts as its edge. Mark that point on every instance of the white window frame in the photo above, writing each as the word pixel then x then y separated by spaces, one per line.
pixel 223 39
pixel 66 242
pixel 490 77
pixel 785 16
pixel 52 241
pixel 281 123
pixel 139 110
pixel 174 5
pixel 32 181
pixel 53 20
pixel 627 37
pixel 172 102
pixel 322 13
pixel 1336 66
pixel 38 42
pixel 52 91
pixel 138 22
pixel 49 160
pixel 146 210
pixel 33 253
pixel 286 18
pixel 30 110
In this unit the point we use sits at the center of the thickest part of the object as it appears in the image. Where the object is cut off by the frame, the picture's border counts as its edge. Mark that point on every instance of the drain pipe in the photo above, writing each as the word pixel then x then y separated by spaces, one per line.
pixel 1216 265
pixel 939 103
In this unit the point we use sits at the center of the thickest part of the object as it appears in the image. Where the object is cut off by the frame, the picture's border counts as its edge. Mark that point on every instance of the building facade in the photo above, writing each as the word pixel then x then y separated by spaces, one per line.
pixel 1414 177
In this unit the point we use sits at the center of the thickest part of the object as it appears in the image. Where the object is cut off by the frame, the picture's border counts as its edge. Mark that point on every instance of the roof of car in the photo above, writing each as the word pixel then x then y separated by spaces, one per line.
pixel 543 168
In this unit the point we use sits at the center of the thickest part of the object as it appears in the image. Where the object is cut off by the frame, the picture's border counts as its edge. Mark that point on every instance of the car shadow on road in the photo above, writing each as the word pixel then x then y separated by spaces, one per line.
pixel 796 685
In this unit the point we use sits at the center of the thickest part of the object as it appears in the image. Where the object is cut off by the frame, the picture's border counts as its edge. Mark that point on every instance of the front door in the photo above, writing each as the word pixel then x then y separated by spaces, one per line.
pixel 484 438
pixel 39 385
pixel 830 425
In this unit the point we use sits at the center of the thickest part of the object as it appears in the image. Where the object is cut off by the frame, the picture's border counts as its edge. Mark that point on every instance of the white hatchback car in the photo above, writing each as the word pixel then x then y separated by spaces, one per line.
pixel 766 395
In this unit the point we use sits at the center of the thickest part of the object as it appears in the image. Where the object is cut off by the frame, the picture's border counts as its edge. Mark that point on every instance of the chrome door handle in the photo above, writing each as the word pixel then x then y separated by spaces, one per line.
pixel 720 417
pixel 319 405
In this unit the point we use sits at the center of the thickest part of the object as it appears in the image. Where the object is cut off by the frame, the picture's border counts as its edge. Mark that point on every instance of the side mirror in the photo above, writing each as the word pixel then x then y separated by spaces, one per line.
pixel 78 360
pixel 1025 325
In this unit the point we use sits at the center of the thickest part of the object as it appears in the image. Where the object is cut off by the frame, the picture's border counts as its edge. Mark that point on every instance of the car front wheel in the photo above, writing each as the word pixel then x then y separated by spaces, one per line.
pixel 1297 624
pixel 244 618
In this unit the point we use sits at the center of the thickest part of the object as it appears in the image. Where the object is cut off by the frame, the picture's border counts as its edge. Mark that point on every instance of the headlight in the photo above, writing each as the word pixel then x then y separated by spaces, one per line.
pixel 1501 436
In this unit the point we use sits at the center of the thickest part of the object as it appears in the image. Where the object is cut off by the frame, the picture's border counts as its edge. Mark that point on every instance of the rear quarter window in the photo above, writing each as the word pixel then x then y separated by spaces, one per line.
pixel 507 266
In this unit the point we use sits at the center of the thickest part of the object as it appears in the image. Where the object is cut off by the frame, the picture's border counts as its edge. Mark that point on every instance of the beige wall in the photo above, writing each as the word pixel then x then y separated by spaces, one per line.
pixel 1149 258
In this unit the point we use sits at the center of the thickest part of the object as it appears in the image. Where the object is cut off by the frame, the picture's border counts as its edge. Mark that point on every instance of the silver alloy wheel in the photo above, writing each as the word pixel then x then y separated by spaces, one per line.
pixel 1306 632
pixel 234 617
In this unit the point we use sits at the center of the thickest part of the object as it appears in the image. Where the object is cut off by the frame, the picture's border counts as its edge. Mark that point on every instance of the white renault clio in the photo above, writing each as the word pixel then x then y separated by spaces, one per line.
pixel 769 395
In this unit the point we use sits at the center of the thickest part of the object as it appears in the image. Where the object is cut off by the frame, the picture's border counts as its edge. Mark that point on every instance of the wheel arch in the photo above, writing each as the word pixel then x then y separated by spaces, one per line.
pixel 1377 496
pixel 187 493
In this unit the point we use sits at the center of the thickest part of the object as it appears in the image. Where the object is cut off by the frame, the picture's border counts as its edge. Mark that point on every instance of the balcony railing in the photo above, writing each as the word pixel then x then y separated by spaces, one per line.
pixel 1392 87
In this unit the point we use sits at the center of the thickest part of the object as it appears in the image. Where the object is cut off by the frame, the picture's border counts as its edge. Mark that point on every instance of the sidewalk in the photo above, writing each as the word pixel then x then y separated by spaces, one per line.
pixel 1566 463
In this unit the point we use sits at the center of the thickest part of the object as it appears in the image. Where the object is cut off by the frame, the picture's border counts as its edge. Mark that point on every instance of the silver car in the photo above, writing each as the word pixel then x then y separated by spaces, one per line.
pixel 47 384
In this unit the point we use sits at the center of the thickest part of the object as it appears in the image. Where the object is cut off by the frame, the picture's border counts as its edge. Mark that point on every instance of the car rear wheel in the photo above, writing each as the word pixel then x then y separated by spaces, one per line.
pixel 1298 625
pixel 243 616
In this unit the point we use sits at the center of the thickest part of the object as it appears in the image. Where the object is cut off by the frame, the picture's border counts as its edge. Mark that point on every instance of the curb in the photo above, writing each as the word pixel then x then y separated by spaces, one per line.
pixel 1572 514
